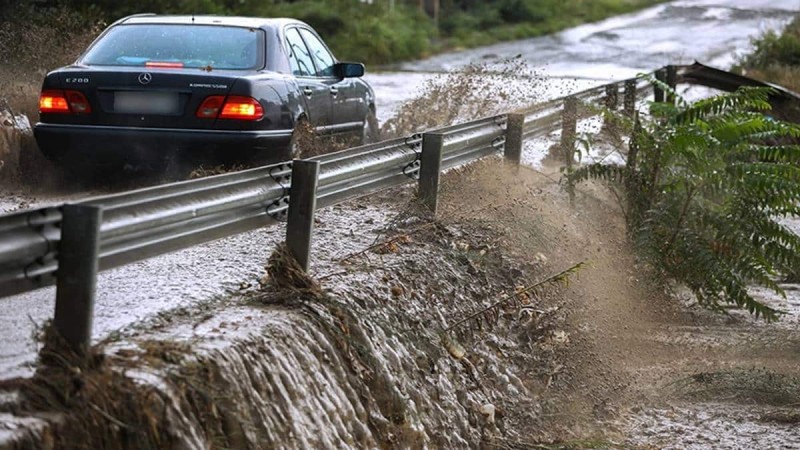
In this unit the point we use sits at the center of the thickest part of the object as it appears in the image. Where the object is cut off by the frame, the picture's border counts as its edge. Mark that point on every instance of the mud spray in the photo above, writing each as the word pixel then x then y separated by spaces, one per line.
pixel 475 91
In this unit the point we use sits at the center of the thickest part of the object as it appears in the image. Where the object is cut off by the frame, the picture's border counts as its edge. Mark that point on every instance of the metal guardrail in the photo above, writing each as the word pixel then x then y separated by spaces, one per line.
pixel 140 224
pixel 144 223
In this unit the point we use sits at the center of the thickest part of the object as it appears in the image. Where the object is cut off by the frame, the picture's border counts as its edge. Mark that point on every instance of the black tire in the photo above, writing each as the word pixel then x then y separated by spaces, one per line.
pixel 371 131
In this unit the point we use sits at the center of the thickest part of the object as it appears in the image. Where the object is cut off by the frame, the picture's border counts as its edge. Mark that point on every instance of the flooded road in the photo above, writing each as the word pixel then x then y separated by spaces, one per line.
pixel 713 32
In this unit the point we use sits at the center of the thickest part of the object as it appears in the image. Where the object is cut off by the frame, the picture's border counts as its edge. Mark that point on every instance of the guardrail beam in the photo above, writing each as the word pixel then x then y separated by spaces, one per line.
pixel 302 205
pixel 430 170
pixel 76 277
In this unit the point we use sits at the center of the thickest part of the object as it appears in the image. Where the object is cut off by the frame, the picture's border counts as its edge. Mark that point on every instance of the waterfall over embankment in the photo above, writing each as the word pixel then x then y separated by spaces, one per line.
pixel 425 340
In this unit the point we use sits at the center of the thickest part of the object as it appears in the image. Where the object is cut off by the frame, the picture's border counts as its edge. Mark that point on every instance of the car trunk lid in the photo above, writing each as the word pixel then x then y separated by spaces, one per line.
pixel 144 96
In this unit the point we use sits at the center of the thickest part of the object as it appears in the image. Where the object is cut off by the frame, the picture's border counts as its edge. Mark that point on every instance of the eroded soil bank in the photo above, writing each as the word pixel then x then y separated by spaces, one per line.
pixel 613 360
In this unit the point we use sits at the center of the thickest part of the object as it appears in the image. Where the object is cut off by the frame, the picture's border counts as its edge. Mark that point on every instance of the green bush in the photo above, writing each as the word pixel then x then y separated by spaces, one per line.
pixel 706 185
pixel 374 34
pixel 521 11
pixel 772 49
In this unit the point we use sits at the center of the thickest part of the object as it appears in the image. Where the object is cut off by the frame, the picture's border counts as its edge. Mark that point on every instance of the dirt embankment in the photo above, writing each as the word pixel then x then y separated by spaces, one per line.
pixel 366 362
pixel 644 365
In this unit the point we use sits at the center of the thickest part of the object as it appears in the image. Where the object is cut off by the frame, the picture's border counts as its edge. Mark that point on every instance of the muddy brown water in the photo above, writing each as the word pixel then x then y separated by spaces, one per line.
pixel 609 360
pixel 598 363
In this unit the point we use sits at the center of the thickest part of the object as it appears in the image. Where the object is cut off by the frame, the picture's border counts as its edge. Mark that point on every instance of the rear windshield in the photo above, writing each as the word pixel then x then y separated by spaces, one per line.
pixel 200 46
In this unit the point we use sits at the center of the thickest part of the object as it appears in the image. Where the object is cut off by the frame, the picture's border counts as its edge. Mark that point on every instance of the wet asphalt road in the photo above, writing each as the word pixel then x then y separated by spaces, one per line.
pixel 713 32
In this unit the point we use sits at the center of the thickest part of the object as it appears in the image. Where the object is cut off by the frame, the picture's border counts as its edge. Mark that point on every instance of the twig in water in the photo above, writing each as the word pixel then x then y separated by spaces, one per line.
pixel 110 418
pixel 559 277
pixel 390 241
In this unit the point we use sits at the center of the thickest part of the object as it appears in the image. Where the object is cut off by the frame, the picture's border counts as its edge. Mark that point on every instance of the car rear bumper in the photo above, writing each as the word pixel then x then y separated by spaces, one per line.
pixel 111 144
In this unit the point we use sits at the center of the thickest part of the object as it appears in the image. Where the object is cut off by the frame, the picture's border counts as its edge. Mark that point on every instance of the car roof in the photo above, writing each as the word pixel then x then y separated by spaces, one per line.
pixel 250 22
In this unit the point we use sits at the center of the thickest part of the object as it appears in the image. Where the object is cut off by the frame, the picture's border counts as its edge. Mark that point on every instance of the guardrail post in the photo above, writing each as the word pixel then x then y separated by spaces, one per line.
pixel 569 125
pixel 612 96
pixel 661 75
pixel 672 81
pixel 430 170
pixel 76 277
pixel 302 205
pixel 611 102
pixel 632 160
pixel 630 98
pixel 513 148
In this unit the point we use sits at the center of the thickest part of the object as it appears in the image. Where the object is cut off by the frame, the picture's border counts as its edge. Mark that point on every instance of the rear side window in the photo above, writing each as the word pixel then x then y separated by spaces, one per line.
pixel 299 57
pixel 220 47
pixel 322 57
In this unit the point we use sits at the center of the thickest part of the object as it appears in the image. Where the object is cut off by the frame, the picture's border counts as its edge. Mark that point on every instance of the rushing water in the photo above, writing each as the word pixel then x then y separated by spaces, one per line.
pixel 288 377
pixel 613 49
pixel 713 32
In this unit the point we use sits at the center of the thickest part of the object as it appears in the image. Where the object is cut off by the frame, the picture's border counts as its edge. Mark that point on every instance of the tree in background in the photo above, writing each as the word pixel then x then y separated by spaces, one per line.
pixel 377 31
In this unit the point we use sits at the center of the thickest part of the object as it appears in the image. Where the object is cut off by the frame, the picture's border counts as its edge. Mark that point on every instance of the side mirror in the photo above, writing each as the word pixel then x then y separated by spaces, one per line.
pixel 349 70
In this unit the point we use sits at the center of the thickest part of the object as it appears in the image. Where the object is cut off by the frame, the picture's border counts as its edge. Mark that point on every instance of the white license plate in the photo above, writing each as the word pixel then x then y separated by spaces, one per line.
pixel 145 102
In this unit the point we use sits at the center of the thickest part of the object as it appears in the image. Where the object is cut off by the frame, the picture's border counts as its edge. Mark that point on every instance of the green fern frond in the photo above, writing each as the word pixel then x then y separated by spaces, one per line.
pixel 745 98
pixel 767 169
pixel 775 153
pixel 732 130
pixel 668 90
pixel 608 173
pixel 706 186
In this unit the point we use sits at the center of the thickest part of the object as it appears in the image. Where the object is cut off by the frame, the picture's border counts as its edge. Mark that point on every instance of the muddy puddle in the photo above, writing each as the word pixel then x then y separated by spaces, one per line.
pixel 717 426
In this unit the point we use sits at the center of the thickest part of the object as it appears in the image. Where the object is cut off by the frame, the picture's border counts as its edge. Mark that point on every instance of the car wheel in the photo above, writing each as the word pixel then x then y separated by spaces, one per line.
pixel 371 131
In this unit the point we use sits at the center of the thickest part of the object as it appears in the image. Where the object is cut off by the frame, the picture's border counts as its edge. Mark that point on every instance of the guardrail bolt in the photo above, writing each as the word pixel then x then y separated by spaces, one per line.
pixel 661 75
pixel 302 205
pixel 76 277
pixel 430 170
pixel 630 98
pixel 672 81
pixel 513 148
pixel 569 129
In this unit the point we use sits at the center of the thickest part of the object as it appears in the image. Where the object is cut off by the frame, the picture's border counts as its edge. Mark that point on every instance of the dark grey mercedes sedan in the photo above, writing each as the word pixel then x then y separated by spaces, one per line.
pixel 150 87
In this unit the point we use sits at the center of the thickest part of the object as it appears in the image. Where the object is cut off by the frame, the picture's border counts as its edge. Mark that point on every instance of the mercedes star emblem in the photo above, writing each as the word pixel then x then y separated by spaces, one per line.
pixel 145 78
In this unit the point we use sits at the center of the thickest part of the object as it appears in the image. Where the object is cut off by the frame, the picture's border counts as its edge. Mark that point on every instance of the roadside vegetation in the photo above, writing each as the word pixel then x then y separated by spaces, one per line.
pixel 706 186
pixel 775 57
pixel 380 31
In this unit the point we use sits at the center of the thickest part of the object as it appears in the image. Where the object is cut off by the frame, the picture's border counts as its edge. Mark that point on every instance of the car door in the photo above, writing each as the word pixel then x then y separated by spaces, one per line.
pixel 314 89
pixel 343 114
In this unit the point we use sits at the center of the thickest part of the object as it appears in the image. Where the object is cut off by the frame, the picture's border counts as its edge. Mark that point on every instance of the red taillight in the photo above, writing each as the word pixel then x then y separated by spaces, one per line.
pixel 63 102
pixel 210 107
pixel 78 103
pixel 243 108
pixel 233 107
pixel 164 64
pixel 53 102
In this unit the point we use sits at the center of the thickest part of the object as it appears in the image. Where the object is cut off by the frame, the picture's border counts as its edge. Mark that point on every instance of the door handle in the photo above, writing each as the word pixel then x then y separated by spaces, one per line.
pixel 334 91
pixel 308 92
